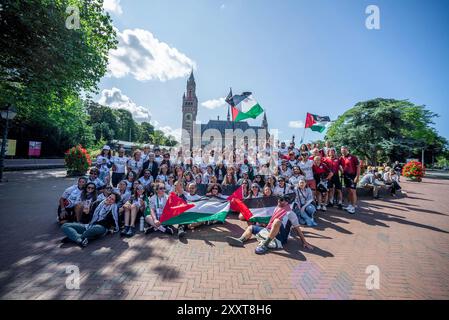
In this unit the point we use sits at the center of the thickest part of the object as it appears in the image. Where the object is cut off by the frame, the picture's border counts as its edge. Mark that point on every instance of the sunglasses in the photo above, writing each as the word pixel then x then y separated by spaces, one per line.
pixel 161 189
pixel 90 188
pixel 93 173
pixel 254 187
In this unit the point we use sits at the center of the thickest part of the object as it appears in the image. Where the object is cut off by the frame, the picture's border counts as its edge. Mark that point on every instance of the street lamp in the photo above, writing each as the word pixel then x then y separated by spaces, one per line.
pixel 8 113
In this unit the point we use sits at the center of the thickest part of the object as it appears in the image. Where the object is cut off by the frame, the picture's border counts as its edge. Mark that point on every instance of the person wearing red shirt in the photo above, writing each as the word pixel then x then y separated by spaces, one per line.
pixel 351 173
pixel 335 183
pixel 322 175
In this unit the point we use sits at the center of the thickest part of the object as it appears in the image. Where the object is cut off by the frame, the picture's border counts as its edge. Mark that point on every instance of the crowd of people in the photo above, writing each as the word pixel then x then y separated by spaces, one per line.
pixel 121 191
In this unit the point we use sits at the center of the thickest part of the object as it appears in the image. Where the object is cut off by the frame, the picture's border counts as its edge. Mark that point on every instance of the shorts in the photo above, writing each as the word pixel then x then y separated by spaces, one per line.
pixel 349 181
pixel 283 234
pixel 335 182
pixel 311 184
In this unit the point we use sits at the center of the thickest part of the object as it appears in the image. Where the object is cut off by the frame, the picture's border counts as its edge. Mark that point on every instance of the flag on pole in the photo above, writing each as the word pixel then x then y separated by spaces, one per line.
pixel 243 106
pixel 316 123
pixel 177 211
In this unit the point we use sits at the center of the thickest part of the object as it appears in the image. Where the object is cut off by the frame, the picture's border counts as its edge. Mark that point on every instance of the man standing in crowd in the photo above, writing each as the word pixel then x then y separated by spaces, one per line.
pixel 118 167
pixel 351 174
pixel 151 165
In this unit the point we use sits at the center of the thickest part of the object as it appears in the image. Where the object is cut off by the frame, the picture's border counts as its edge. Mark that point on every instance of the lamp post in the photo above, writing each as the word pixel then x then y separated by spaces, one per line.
pixel 7 113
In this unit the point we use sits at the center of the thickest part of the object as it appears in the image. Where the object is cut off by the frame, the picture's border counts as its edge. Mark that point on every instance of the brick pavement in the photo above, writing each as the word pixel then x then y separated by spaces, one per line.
pixel 407 238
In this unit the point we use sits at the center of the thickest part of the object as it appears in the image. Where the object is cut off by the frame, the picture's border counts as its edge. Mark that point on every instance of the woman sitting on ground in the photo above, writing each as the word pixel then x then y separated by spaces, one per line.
pixel 88 196
pixel 156 206
pixel 303 206
pixel 134 207
pixel 105 218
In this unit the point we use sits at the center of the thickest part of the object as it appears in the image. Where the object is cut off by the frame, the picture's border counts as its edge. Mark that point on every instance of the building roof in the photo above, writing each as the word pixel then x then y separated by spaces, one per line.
pixel 222 125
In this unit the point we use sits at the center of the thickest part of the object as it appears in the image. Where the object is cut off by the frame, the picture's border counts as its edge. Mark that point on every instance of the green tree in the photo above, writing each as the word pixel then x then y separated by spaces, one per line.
pixel 386 130
pixel 44 66
pixel 146 132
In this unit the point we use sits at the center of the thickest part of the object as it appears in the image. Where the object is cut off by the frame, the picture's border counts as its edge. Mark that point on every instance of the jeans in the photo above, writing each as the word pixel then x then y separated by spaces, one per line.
pixel 306 217
pixel 77 231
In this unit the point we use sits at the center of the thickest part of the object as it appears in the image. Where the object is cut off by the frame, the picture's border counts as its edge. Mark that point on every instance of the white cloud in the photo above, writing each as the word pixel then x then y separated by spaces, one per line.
pixel 113 6
pixel 214 103
pixel 296 124
pixel 115 99
pixel 144 57
pixel 168 131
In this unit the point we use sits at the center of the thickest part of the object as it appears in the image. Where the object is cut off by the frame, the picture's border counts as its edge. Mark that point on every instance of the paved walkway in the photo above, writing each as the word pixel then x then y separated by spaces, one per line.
pixel 407 239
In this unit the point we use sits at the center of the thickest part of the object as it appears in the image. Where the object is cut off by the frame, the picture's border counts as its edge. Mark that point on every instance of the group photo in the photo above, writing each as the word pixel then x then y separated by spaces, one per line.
pixel 224 150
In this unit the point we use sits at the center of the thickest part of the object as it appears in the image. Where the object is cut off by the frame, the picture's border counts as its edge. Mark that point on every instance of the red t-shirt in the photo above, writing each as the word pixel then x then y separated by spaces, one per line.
pixel 334 164
pixel 349 164
pixel 322 169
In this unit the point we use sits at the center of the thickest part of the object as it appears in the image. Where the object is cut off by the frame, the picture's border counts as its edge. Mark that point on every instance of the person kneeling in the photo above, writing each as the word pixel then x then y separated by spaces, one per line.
pixel 279 227
pixel 105 217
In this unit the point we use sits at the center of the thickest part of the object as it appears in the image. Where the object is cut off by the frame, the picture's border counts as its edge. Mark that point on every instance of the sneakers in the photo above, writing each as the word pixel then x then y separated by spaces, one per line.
pixel 350 209
pixel 318 207
pixel 323 208
pixel 124 231
pixel 330 204
pixel 169 230
pixel 131 232
pixel 235 242
pixel 83 242
pixel 149 230
pixel 261 249
pixel 181 232
pixel 340 206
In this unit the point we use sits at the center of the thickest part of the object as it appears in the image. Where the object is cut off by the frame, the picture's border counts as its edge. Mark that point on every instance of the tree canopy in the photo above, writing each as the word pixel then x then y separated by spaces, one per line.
pixel 387 130
pixel 47 67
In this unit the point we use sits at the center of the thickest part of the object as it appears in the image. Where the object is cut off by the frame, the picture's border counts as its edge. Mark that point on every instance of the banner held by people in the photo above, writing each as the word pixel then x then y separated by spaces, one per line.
pixel 177 211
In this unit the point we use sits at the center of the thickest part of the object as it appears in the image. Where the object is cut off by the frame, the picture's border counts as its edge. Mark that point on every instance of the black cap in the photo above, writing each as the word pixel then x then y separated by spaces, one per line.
pixel 283 198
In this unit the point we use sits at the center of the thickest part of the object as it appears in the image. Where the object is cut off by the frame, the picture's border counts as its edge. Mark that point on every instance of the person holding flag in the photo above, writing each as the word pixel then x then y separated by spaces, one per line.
pixel 278 228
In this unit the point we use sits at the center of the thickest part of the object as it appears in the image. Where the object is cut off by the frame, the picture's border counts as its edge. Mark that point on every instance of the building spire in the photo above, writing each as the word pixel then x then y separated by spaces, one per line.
pixel 191 78
pixel 265 121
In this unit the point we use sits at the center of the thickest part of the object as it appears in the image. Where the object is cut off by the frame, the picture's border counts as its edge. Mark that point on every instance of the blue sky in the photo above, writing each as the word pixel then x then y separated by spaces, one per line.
pixel 295 56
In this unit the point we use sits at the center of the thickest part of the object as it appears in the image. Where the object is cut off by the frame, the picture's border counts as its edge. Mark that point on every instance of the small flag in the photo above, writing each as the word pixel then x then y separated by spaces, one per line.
pixel 243 106
pixel 316 123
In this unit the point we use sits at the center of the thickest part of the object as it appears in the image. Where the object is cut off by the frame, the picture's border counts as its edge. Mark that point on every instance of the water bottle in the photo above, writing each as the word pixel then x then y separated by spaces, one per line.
pixel 142 224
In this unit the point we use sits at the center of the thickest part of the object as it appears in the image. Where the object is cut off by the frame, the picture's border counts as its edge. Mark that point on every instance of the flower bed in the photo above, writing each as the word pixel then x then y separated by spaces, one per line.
pixel 414 171
pixel 77 161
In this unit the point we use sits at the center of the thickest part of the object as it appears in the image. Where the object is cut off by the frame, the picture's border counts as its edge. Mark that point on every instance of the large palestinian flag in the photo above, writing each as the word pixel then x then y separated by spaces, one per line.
pixel 243 106
pixel 316 123
pixel 259 209
pixel 177 211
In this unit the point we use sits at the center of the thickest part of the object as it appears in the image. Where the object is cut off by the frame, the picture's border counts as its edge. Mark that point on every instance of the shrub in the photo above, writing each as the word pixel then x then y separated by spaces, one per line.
pixel 413 170
pixel 77 160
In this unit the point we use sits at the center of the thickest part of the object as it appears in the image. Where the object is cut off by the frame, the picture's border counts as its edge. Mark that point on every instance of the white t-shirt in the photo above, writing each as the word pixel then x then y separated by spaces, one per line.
pixel 278 191
pixel 135 166
pixel 158 204
pixel 145 182
pixel 294 180
pixel 190 197
pixel 73 195
pixel 287 173
pixel 158 160
pixel 102 160
pixel 98 182
pixel 306 167
pixel 283 151
pixel 123 197
pixel 120 163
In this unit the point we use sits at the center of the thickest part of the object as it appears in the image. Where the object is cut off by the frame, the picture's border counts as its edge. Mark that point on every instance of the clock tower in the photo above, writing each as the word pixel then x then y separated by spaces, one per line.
pixel 189 108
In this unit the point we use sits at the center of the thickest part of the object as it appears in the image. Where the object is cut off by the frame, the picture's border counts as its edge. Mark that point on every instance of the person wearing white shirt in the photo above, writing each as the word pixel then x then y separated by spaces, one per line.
pixel 153 216
pixel 284 170
pixel 296 176
pixel 135 164
pixel 146 179
pixel 118 167
pixel 282 188
pixel 306 166
pixel 69 199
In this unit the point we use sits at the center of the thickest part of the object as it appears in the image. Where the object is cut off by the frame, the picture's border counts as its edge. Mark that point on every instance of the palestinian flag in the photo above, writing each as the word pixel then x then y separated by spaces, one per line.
pixel 259 209
pixel 316 123
pixel 177 211
pixel 243 106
